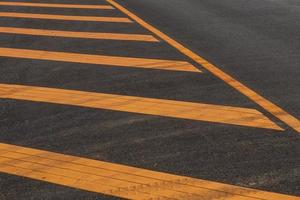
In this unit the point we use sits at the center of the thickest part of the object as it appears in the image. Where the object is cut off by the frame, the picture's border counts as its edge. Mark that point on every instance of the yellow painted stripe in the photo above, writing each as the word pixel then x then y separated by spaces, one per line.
pixel 275 110
pixel 52 5
pixel 133 104
pixel 119 180
pixel 72 34
pixel 99 59
pixel 65 17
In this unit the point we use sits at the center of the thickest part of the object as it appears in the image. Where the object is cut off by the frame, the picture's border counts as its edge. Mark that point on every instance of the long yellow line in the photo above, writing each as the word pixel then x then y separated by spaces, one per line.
pixel 73 34
pixel 119 180
pixel 275 110
pixel 65 17
pixel 99 59
pixel 52 5
pixel 133 104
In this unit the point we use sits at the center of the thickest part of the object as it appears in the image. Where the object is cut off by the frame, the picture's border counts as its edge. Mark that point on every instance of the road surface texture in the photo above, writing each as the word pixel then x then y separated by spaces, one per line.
pixel 150 99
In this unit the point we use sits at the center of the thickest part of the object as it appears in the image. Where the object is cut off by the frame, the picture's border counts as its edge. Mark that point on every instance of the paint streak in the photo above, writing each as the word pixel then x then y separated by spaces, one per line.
pixel 275 110
pixel 99 59
pixel 52 5
pixel 119 180
pixel 65 17
pixel 72 34
pixel 133 104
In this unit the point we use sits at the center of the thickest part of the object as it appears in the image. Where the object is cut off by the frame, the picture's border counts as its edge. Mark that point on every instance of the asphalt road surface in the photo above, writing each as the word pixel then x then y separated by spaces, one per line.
pixel 150 99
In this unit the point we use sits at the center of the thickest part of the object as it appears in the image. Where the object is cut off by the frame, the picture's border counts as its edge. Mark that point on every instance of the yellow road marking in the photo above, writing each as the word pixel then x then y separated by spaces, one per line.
pixel 72 34
pixel 119 180
pixel 52 5
pixel 133 104
pixel 99 59
pixel 275 110
pixel 65 17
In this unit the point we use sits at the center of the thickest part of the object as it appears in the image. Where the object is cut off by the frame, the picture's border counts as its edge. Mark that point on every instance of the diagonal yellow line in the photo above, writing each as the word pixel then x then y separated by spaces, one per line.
pixel 99 59
pixel 73 34
pixel 53 5
pixel 65 17
pixel 272 108
pixel 149 106
pixel 119 180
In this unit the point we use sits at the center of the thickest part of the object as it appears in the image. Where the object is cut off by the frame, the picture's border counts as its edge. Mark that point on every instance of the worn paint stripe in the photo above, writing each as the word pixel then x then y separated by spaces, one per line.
pixel 65 17
pixel 73 34
pixel 133 104
pixel 99 59
pixel 119 180
pixel 52 5
pixel 272 108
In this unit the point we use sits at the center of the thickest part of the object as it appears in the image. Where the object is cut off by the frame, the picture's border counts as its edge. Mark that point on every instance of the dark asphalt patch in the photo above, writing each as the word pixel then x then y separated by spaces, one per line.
pixel 156 50
pixel 35 190
pixel 182 86
pixel 257 42
pixel 73 25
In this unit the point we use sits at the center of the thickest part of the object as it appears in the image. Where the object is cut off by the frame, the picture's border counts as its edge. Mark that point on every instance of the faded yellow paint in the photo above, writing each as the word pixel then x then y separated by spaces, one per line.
pixel 133 104
pixel 73 34
pixel 65 17
pixel 275 110
pixel 52 5
pixel 119 180
pixel 99 59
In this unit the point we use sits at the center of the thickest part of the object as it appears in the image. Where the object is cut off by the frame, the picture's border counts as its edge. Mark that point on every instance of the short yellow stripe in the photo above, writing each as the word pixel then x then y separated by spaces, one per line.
pixel 150 106
pixel 72 34
pixel 52 5
pixel 119 180
pixel 269 106
pixel 65 17
pixel 99 59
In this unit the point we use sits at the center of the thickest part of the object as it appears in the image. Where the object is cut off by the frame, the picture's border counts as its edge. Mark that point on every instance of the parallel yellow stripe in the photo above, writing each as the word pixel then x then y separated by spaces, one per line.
pixel 269 106
pixel 72 34
pixel 52 5
pixel 119 180
pixel 99 59
pixel 150 106
pixel 65 17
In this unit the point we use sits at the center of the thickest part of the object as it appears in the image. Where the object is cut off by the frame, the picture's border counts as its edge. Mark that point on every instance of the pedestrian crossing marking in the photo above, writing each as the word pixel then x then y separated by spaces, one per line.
pixel 104 60
pixel 76 34
pixel 119 180
pixel 65 17
pixel 140 105
pixel 113 179
pixel 52 5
